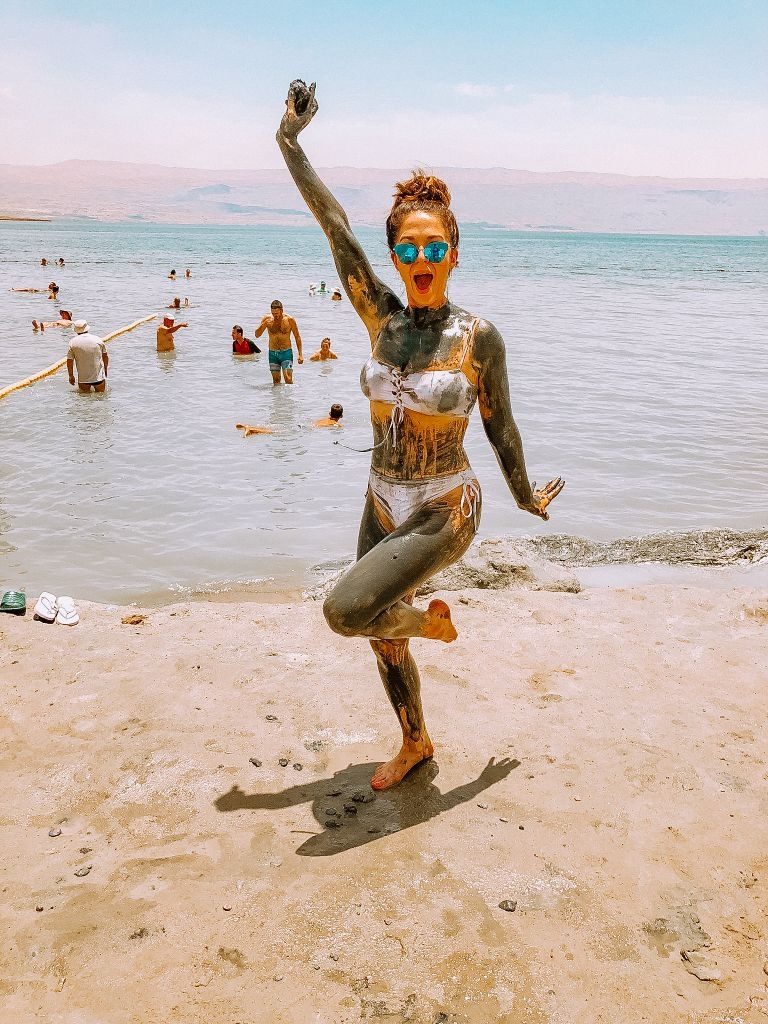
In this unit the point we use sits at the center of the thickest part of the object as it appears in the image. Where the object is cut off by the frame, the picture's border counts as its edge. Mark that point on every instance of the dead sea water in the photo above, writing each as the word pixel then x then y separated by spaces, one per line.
pixel 638 370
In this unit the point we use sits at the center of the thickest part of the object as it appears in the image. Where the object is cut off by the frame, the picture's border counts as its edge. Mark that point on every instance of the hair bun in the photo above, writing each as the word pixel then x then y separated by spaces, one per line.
pixel 424 187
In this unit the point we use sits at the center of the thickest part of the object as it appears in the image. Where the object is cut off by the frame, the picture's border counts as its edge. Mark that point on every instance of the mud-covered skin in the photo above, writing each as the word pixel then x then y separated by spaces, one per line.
pixel 373 599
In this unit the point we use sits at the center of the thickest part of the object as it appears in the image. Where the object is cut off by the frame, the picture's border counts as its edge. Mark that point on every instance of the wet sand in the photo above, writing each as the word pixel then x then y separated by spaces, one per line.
pixel 624 816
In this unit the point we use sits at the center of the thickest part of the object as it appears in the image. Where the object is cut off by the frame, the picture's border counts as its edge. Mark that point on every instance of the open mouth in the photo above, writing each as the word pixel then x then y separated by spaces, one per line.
pixel 422 282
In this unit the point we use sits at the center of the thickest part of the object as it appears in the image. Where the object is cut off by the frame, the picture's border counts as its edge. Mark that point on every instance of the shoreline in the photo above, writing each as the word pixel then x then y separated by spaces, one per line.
pixel 149 821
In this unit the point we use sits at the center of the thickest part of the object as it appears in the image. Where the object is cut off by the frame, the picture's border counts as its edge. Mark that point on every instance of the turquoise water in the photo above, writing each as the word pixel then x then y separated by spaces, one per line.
pixel 638 368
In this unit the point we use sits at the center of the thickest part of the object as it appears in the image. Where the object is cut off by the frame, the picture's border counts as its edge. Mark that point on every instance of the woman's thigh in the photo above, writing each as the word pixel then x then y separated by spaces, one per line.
pixel 392 567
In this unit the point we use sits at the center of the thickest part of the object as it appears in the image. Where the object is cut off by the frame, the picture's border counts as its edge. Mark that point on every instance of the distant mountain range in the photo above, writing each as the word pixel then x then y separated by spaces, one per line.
pixel 496 197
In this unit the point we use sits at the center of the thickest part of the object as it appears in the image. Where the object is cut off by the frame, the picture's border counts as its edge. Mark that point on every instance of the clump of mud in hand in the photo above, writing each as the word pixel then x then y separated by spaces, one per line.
pixel 299 90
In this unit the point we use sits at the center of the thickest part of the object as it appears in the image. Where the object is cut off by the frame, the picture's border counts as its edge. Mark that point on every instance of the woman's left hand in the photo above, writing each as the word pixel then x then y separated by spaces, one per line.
pixel 544 496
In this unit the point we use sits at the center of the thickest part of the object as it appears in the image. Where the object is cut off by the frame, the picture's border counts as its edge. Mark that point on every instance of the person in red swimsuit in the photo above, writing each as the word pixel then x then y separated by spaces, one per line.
pixel 242 346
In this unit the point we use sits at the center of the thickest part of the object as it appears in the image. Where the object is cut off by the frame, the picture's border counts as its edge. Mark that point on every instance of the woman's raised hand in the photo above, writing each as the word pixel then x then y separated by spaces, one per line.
pixel 300 108
pixel 543 497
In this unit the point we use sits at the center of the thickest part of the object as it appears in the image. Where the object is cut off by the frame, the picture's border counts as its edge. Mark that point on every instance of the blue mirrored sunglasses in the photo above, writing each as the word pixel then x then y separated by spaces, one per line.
pixel 434 252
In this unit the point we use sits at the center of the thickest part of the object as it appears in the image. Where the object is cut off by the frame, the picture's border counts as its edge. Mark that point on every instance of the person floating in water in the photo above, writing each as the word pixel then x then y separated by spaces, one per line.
pixel 60 261
pixel 430 362
pixel 335 295
pixel 333 419
pixel 165 333
pixel 89 353
pixel 53 290
pixel 249 429
pixel 324 352
pixel 175 304
pixel 43 262
pixel 242 346
pixel 172 276
pixel 65 320
pixel 280 327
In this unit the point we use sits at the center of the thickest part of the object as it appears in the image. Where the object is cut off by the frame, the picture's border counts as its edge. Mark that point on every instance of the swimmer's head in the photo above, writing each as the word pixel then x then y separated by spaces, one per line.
pixel 277 308
pixel 237 332
pixel 336 412
pixel 325 345
pixel 81 326
pixel 65 314
pixel 169 321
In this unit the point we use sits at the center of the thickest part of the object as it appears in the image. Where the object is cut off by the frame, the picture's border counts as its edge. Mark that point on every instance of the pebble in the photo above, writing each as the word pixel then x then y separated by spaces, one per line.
pixel 361 797
pixel 350 809
pixel 509 905
pixel 38 909
pixel 283 762
pixel 227 906
pixel 577 799
pixel 334 956
pixel 505 820
pixel 271 718
pixel 54 832
pixel 374 829
pixel 82 872
pixel 483 807
pixel 255 762
pixel 521 827
pixel 332 823
pixel 85 849
pixel 316 745
pixel 335 792
pixel 277 977
pixel 297 767
pixel 332 812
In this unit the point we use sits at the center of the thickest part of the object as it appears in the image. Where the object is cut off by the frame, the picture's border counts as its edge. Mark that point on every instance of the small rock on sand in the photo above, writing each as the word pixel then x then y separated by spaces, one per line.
pixel 333 823
pixel 700 966
pixel 54 832
pixel 283 762
pixel 508 905
pixel 134 620
pixel 271 718
pixel 82 872
pixel 255 762
pixel 361 797
pixel 298 767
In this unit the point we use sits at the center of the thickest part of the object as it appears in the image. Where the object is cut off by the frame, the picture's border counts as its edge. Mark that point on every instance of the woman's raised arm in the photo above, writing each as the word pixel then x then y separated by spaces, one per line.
pixel 371 298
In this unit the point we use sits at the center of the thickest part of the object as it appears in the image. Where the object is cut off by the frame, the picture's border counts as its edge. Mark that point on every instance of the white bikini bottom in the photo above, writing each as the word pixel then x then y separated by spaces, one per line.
pixel 401 498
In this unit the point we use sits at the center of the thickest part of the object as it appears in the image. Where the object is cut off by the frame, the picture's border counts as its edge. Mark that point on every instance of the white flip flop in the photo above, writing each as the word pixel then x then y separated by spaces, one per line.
pixel 67 612
pixel 46 608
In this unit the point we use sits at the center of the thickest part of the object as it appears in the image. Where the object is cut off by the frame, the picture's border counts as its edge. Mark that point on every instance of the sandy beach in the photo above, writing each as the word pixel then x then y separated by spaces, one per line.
pixel 623 816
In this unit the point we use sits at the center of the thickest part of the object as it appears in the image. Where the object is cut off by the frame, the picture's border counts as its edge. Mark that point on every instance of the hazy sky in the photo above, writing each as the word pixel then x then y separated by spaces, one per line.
pixel 671 87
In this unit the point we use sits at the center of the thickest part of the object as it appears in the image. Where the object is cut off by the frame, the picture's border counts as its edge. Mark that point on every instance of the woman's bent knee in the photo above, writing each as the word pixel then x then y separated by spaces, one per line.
pixel 341 617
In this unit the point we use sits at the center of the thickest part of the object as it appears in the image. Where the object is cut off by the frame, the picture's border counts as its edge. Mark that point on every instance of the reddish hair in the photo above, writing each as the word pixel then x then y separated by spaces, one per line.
pixel 422 191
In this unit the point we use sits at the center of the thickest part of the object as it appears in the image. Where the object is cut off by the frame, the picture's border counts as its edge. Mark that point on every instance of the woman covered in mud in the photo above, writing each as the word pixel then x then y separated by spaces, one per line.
pixel 430 362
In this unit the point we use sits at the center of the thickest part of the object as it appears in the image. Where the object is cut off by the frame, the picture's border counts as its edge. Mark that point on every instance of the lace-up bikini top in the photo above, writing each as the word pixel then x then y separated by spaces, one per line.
pixel 442 391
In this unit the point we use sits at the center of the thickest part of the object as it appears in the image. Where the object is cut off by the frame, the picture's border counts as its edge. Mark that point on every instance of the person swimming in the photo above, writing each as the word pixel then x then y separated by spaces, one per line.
pixel 172 276
pixel 324 352
pixel 65 320
pixel 336 295
pixel 242 346
pixel 333 419
pixel 176 304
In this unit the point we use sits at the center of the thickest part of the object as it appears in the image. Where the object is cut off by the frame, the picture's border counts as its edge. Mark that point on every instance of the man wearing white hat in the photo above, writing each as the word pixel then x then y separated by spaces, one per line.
pixel 165 333
pixel 89 353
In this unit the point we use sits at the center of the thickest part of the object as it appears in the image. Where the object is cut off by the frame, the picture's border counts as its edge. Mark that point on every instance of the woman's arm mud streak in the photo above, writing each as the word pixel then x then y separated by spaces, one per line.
pixel 496 411
pixel 372 299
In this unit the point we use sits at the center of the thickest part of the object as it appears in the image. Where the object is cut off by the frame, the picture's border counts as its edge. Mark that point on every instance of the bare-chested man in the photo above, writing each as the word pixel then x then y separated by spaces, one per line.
pixel 280 328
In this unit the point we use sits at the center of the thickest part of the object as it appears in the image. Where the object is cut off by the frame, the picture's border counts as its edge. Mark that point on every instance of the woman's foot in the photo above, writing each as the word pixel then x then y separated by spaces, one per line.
pixel 437 622
pixel 412 752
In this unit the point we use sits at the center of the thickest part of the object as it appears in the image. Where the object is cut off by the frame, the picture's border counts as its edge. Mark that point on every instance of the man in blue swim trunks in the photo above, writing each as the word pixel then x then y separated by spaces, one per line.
pixel 280 328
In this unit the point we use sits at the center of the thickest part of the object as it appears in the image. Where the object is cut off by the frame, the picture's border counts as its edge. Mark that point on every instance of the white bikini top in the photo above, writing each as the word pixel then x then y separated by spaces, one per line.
pixel 438 392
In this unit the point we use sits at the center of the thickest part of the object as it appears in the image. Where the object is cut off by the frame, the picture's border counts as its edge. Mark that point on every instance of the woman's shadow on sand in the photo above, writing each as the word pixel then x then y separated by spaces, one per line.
pixel 352 814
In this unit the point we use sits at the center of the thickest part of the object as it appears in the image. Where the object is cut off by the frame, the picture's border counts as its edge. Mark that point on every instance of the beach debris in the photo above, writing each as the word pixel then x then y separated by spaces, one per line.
pixel 361 797
pixel 350 808
pixel 521 827
pixel 505 820
pixel 315 745
pixel 441 1018
pixel 283 762
pixel 373 829
pixel 333 823
pixel 141 933
pixel 483 807
pixel 508 905
pixel 39 909
pixel 335 792
pixel 136 619
pixel 54 832
pixel 277 977
pixel 334 957
pixel 271 718
pixel 700 966
pixel 82 872
pixel 227 907
pixel 85 849
pixel 255 762
pixel 332 812
pixel 297 767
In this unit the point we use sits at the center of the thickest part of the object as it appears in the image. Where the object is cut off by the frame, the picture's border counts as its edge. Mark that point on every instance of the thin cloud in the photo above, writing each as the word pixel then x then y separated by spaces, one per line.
pixel 477 90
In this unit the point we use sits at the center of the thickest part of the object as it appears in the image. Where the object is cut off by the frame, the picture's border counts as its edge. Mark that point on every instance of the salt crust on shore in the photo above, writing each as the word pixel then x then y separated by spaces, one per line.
pixel 636 723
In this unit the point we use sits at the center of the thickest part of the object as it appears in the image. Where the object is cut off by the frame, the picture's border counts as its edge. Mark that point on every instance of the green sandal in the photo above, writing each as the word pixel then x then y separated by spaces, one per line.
pixel 14 602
